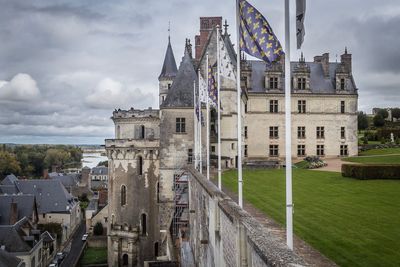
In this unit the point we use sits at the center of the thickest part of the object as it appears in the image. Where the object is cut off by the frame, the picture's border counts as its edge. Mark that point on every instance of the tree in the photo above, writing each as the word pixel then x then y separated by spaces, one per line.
pixel 362 121
pixel 98 229
pixel 55 157
pixel 383 112
pixel 103 163
pixel 379 121
pixel 396 113
pixel 9 164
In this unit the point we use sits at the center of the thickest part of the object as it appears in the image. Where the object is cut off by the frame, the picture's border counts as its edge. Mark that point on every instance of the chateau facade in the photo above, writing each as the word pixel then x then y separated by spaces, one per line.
pixel 151 147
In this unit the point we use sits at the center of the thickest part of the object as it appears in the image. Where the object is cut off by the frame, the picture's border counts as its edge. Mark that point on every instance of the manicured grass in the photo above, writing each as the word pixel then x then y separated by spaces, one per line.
pixel 383 151
pixel 386 159
pixel 94 256
pixel 353 222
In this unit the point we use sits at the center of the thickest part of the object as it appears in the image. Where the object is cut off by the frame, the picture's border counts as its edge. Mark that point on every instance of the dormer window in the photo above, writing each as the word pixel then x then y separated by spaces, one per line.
pixel 273 83
pixel 342 84
pixel 169 86
pixel 301 83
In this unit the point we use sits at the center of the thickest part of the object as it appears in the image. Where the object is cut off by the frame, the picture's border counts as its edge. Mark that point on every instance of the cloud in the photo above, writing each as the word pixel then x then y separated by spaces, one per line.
pixel 21 88
pixel 110 94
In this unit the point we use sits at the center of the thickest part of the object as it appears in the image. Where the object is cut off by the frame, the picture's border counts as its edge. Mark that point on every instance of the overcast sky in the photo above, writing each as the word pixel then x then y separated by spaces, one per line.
pixel 66 65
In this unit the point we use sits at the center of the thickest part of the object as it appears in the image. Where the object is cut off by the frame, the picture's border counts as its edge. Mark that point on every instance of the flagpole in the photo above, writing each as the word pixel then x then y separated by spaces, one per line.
pixel 194 125
pixel 239 113
pixel 200 129
pixel 208 123
pixel 219 110
pixel 288 135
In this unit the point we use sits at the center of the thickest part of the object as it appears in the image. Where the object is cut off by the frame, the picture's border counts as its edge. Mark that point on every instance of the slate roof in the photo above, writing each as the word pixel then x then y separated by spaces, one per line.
pixel 181 92
pixel 8 189
pixel 67 180
pixel 9 179
pixel 25 207
pixel 169 69
pixel 318 83
pixel 100 170
pixel 51 195
pixel 12 240
pixel 8 260
pixel 230 49
pixel 98 184
pixel 47 237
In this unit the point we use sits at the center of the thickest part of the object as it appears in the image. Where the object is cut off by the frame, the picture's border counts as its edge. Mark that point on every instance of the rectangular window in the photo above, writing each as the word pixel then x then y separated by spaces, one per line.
pixel 320 132
pixel 212 148
pixel 301 83
pixel 343 150
pixel 342 107
pixel 301 132
pixel 320 150
pixel 273 132
pixel 301 150
pixel 342 84
pixel 273 150
pixel 273 106
pixel 342 133
pixel 245 151
pixel 273 83
pixel 301 105
pixel 180 125
pixel 190 155
pixel 245 131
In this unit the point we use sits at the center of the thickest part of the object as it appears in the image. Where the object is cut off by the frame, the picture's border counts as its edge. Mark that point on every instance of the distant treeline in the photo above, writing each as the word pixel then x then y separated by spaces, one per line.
pixel 31 160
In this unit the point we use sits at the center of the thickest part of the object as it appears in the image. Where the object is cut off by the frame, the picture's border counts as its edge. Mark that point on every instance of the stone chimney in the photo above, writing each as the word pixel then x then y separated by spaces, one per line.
pixel 45 173
pixel 346 61
pixel 324 61
pixel 13 213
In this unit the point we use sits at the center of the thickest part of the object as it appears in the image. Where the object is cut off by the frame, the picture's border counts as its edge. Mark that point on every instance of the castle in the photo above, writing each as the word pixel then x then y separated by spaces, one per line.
pixel 151 147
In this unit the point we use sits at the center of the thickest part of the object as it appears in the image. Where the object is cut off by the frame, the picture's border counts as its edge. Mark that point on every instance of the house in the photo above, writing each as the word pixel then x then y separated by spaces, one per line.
pixel 15 207
pixel 21 240
pixel 98 178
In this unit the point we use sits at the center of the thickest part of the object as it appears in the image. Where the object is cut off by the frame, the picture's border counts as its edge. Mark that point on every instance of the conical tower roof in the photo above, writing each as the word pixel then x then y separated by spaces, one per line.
pixel 169 69
pixel 181 92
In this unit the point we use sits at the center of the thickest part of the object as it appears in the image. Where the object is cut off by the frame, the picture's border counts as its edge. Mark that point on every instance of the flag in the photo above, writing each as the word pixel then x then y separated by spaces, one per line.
pixel 225 65
pixel 256 35
pixel 212 89
pixel 197 111
pixel 300 15
pixel 203 89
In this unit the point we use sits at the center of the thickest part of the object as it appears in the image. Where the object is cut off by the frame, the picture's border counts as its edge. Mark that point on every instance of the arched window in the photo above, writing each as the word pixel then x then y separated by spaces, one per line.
pixel 142 132
pixel 158 192
pixel 140 165
pixel 144 224
pixel 123 195
pixel 125 260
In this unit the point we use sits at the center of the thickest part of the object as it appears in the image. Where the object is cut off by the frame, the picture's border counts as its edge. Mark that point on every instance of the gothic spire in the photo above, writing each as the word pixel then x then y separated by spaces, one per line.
pixel 169 69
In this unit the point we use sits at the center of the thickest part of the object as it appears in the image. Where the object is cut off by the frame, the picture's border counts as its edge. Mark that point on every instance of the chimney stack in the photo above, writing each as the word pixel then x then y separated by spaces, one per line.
pixel 13 213
pixel 346 61
pixel 324 61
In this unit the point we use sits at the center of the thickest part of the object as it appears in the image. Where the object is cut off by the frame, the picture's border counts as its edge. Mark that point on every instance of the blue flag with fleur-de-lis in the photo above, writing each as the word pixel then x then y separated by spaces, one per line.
pixel 212 89
pixel 256 35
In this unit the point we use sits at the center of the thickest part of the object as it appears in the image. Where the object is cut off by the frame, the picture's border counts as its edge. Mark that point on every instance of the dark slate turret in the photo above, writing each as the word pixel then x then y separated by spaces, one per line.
pixel 181 92
pixel 169 69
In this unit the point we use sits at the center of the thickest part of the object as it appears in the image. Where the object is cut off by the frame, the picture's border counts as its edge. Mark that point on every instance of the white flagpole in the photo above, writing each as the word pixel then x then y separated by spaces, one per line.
pixel 219 110
pixel 288 135
pixel 194 125
pixel 200 129
pixel 208 124
pixel 239 113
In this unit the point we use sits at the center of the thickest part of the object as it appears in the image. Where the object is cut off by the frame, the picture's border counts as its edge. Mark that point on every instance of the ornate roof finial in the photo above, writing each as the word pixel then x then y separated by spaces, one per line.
pixel 169 31
pixel 345 50
pixel 226 28
pixel 302 59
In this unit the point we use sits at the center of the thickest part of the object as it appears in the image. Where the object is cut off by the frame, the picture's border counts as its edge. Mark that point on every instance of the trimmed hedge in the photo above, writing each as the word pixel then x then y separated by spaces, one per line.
pixel 371 171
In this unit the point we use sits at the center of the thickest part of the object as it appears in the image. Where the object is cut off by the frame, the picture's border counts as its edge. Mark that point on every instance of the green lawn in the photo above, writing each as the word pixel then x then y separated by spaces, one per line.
pixel 94 256
pixel 353 222
pixel 389 159
pixel 382 151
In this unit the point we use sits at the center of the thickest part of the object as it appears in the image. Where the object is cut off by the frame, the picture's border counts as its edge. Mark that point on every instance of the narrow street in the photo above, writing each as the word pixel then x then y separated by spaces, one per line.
pixel 75 247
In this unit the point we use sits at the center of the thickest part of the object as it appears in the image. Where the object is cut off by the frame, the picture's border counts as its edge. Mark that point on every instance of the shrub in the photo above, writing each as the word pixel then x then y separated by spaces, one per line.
pixel 369 172
pixel 379 121
pixel 98 229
